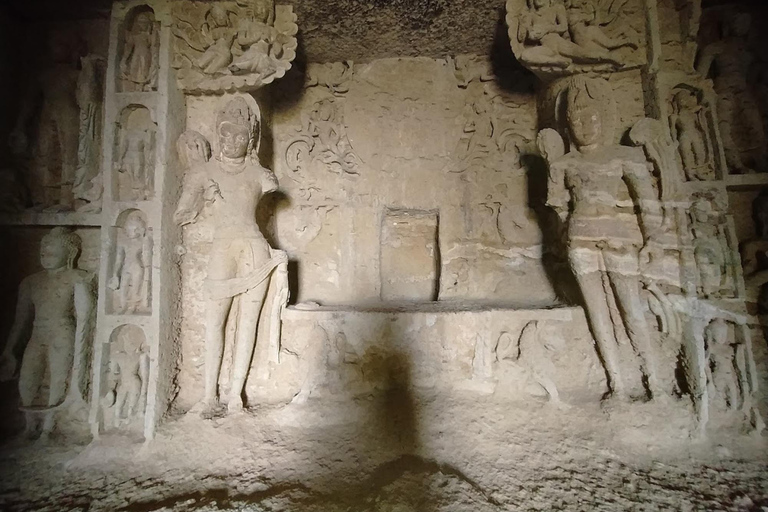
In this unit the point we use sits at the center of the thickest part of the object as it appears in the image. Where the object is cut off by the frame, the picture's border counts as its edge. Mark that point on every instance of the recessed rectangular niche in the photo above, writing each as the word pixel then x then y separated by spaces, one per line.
pixel 125 372
pixel 139 46
pixel 409 257
pixel 129 289
pixel 134 165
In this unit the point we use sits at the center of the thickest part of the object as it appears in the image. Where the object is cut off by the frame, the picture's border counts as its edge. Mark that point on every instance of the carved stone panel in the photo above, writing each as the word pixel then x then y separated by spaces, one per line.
pixel 131 276
pixel 692 125
pixel 556 38
pixel 134 167
pixel 231 46
pixel 127 379
pixel 139 47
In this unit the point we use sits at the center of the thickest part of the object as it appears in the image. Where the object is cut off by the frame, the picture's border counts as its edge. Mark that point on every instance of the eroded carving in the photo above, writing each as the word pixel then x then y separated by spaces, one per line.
pixel 90 94
pixel 606 243
pixel 132 268
pixel 336 76
pixel 242 264
pixel 14 196
pixel 135 157
pixel 128 377
pixel 322 141
pixel 552 38
pixel 754 256
pixel 688 123
pixel 54 91
pixel 472 68
pixel 488 139
pixel 712 252
pixel 141 43
pixel 57 305
pixel 741 126
pixel 533 356
pixel 231 46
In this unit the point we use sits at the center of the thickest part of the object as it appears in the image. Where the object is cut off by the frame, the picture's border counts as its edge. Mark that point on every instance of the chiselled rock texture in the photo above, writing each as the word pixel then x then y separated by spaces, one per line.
pixel 429 255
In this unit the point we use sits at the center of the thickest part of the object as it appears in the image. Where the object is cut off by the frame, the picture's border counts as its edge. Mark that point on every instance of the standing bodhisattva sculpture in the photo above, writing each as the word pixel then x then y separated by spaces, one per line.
pixel 606 243
pixel 241 260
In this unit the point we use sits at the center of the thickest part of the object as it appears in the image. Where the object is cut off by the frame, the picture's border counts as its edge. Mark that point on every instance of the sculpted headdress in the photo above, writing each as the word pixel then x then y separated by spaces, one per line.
pixel 240 112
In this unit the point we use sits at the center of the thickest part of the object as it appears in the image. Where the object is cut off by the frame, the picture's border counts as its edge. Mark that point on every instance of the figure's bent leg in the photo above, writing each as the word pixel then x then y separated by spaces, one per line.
pixel 251 304
pixel 577 52
pixel 630 306
pixel 601 39
pixel 544 56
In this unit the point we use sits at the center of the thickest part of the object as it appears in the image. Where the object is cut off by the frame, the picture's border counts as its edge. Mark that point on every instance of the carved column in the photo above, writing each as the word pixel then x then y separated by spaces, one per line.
pixel 136 338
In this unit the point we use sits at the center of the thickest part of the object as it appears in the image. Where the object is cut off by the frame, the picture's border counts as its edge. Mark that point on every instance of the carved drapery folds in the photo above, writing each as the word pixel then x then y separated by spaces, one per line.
pixel 231 46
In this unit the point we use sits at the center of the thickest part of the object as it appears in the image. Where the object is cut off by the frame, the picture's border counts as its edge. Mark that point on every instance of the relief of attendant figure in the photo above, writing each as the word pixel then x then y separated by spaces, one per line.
pixel 607 241
pixel 241 261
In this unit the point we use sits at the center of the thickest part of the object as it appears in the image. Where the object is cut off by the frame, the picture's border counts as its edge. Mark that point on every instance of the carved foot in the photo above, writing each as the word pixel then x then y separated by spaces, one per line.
pixel 235 405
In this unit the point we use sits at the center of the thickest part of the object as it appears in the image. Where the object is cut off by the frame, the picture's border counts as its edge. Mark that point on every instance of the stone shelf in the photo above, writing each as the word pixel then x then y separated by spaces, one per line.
pixel 304 311
pixel 741 181
pixel 30 218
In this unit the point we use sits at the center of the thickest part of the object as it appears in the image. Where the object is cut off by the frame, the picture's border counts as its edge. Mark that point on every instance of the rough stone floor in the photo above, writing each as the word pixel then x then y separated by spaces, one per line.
pixel 394 453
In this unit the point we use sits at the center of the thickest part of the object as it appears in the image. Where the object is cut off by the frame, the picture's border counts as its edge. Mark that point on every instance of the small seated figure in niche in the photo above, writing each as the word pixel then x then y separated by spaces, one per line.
pixel 607 242
pixel 134 158
pixel 721 371
pixel 688 129
pixel 256 35
pixel 128 376
pixel 57 304
pixel 241 263
pixel 133 267
pixel 138 67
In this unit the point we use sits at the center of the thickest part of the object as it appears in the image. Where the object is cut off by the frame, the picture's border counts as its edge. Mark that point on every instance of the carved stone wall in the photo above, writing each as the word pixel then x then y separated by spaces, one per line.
pixel 354 144
pixel 475 256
